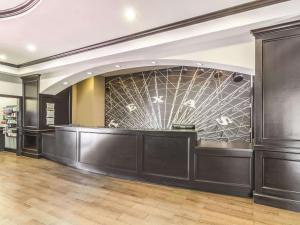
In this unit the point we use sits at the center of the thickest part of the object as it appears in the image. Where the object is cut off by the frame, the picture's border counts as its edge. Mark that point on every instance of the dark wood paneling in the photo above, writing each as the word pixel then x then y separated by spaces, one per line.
pixel 166 156
pixel 48 144
pixel 30 135
pixel 61 149
pixel 277 110
pixel 31 101
pixel 276 94
pixel 66 143
pixel 227 171
pixel 44 99
pixel 31 143
pixel 281 85
pixel 278 174
pixel 224 169
pixel 63 108
pixel 286 169
pixel 277 202
pixel 109 151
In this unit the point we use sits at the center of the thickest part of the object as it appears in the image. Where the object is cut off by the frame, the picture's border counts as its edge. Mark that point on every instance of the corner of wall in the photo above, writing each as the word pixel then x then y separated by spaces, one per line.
pixel 88 102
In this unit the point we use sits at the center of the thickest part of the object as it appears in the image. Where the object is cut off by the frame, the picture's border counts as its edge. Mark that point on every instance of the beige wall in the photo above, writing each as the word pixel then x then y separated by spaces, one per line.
pixel 240 55
pixel 88 102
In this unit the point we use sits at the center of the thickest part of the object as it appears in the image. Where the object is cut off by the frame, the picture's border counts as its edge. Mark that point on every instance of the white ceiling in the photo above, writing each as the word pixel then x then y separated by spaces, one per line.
pixel 56 26
pixel 4 4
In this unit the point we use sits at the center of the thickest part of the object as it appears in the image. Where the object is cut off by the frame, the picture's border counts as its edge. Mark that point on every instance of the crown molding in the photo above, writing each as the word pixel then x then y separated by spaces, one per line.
pixel 9 64
pixel 19 9
pixel 276 28
pixel 168 27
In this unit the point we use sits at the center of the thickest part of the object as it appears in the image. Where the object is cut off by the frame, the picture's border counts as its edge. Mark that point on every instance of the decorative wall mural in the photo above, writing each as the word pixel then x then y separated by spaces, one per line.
pixel 217 102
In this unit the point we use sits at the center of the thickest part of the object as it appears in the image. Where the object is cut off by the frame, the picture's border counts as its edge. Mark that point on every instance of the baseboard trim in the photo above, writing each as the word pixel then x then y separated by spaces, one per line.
pixel 277 202
pixel 61 160
pixel 34 156
pixel 10 150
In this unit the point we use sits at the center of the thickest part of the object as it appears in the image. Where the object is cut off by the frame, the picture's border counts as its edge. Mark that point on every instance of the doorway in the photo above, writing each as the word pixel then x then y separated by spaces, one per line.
pixel 10 118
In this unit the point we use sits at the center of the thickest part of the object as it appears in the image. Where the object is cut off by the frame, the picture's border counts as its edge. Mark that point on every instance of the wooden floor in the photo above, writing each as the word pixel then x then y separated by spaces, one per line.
pixel 42 192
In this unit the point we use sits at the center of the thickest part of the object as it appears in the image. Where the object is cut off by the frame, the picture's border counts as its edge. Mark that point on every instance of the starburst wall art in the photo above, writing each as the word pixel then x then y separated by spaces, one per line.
pixel 217 102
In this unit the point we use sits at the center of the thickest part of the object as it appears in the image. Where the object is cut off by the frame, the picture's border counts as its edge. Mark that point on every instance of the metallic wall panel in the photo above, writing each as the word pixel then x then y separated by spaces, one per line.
pixel 218 102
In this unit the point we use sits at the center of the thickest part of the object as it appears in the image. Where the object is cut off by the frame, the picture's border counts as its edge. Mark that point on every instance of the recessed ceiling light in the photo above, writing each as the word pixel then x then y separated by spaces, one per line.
pixel 130 14
pixel 31 48
pixel 65 83
pixel 153 62
pixel 3 57
pixel 199 64
pixel 117 66
pixel 89 73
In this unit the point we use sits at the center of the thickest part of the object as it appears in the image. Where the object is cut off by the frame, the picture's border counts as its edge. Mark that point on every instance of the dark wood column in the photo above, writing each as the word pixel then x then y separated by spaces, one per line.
pixel 277 116
pixel 34 115
pixel 30 138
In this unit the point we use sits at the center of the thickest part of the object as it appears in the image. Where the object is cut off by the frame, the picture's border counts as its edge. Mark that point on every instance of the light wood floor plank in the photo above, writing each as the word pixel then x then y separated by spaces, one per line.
pixel 40 192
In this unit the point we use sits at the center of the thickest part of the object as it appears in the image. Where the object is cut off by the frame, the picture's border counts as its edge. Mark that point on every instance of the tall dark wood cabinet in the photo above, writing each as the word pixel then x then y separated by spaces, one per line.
pixel 35 116
pixel 30 135
pixel 277 116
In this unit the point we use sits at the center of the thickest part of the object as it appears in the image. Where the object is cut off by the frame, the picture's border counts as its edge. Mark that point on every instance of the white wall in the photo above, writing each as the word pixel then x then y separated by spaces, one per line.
pixel 4 101
pixel 10 88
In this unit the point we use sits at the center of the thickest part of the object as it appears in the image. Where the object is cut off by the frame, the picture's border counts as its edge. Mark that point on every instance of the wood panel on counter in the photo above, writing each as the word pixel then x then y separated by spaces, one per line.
pixel 161 156
pixel 276 113
pixel 225 168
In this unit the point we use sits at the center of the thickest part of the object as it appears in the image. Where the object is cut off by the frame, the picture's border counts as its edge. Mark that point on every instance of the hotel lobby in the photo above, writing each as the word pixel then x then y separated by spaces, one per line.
pixel 134 112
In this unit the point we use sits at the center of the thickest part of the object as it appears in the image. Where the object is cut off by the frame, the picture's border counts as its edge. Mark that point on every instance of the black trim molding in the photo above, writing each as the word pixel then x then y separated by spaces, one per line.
pixel 172 26
pixel 19 9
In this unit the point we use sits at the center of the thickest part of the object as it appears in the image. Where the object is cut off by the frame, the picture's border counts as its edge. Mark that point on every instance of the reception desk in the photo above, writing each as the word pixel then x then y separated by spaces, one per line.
pixel 171 157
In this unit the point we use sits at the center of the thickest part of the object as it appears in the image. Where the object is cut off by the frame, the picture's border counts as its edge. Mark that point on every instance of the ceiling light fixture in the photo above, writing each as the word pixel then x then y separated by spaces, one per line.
pixel 199 64
pixel 237 77
pixel 65 83
pixel 117 66
pixel 89 73
pixel 130 14
pixel 153 62
pixel 31 48
pixel 3 57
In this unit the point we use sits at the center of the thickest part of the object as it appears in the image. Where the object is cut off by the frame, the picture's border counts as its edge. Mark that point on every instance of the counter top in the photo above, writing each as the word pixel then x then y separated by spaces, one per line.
pixel 52 134
pixel 79 127
pixel 224 145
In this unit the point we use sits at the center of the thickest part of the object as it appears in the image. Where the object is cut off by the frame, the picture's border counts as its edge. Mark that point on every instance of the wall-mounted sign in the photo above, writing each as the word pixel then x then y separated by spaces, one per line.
pixel 50 114
pixel 131 107
pixel 158 99
pixel 224 121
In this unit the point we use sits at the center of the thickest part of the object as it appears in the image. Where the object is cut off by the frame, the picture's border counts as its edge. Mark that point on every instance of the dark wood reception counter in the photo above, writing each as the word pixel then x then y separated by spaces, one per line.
pixel 170 157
